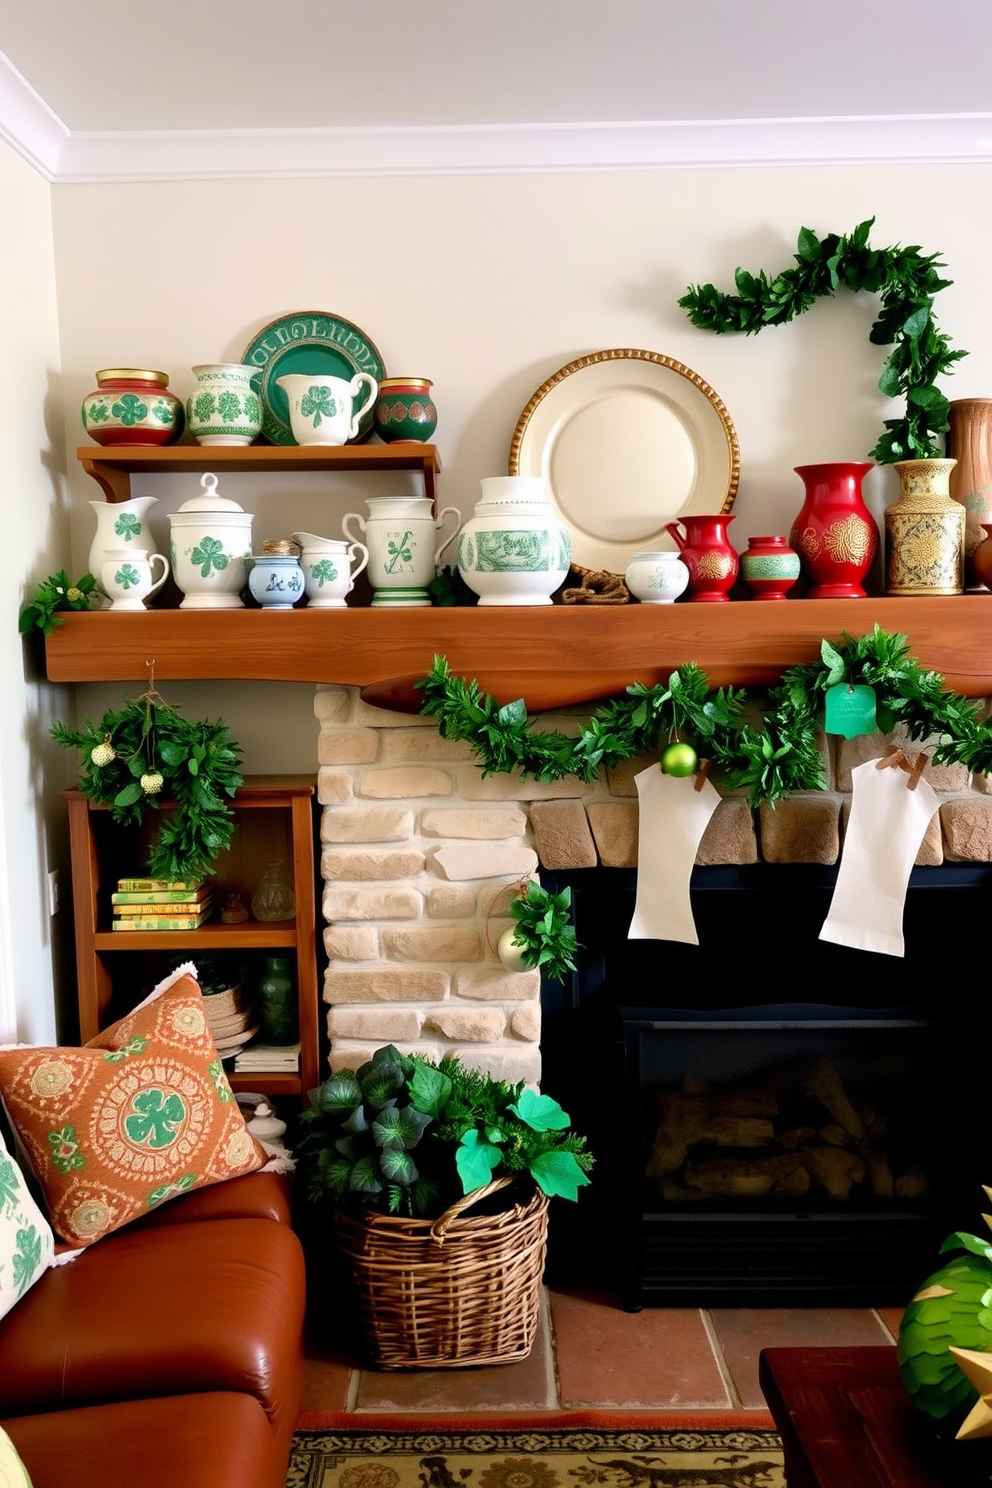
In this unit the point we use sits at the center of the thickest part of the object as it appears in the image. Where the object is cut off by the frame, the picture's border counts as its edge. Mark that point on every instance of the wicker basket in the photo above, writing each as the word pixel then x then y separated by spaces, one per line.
pixel 447 1293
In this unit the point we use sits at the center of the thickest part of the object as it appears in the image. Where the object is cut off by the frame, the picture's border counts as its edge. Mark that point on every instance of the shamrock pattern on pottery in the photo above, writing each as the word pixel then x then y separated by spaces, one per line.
pixel 127 526
pixel 324 572
pixel 127 576
pixel 208 555
pixel 129 409
pixel 317 403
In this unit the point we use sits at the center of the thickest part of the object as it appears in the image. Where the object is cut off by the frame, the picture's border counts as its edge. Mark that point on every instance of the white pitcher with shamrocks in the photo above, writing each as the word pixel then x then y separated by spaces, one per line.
pixel 326 410
pixel 401 534
pixel 120 526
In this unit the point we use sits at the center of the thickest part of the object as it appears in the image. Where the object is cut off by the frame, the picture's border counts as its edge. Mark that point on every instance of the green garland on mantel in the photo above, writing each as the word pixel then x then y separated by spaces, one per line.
pixel 781 758
pixel 906 280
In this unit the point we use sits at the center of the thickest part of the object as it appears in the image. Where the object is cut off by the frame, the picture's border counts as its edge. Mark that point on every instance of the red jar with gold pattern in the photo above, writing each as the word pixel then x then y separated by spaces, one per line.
pixel 834 534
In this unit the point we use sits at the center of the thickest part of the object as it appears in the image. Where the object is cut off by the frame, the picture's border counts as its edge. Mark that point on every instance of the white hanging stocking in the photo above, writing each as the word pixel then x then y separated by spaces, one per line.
pixel 884 832
pixel 673 815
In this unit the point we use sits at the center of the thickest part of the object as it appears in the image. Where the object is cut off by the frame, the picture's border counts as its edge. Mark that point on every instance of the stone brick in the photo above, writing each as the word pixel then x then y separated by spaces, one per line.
pixel 379 1025
pixel 801 829
pixel 404 783
pixel 487 860
pixel 561 834
pixel 982 784
pixel 729 836
pixel 967 827
pixel 614 827
pixel 477 1025
pixel 854 752
pixel 433 943
pixel 931 853
pixel 473 786
pixel 509 1062
pixel 386 984
pixel 367 824
pixel 417 746
pixel 351 943
pixel 472 821
pixel 332 704
pixel 347 746
pixel 496 984
pixel 370 863
pixel 450 902
pixel 334 787
pixel 351 1054
pixel 621 777
pixel 525 1022
pixel 383 902
pixel 370 716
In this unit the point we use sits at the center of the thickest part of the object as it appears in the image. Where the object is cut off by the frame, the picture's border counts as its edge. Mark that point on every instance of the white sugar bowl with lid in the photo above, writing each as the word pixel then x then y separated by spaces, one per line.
pixel 515 550
pixel 210 544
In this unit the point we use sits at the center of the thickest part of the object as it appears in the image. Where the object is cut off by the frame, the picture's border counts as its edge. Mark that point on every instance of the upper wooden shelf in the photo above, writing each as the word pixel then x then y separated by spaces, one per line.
pixel 111 467
pixel 550 655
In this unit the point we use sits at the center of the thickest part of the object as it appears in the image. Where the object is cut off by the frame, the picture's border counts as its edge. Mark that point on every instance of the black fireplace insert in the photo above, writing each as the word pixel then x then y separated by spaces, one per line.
pixel 777 1120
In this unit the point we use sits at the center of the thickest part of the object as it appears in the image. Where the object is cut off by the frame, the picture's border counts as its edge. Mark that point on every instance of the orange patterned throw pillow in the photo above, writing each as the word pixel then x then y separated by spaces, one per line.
pixel 140 1114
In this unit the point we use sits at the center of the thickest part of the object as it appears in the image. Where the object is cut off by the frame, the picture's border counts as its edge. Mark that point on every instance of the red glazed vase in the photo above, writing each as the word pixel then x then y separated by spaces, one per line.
pixel 707 554
pixel 769 568
pixel 834 534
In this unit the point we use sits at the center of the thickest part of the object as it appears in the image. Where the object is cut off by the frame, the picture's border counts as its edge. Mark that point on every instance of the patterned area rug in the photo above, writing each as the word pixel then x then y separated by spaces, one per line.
pixel 537 1457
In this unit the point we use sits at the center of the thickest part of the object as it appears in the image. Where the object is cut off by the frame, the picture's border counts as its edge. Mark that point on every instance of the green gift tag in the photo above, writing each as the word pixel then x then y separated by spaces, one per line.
pixel 850 710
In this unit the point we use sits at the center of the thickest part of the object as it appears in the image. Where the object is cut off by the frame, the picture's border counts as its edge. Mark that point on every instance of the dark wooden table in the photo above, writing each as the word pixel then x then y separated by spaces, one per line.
pixel 846 1422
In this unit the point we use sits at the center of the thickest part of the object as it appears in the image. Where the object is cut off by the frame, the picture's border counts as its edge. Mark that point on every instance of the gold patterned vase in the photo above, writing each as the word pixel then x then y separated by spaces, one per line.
pixel 924 531
pixel 834 534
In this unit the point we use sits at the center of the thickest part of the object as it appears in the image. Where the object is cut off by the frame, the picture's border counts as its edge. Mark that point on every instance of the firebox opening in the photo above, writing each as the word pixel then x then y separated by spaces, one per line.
pixel 777 1120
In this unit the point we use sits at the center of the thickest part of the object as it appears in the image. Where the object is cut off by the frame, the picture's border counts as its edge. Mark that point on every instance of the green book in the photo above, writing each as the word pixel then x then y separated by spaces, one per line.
pixel 159 885
pixel 162 896
pixel 173 922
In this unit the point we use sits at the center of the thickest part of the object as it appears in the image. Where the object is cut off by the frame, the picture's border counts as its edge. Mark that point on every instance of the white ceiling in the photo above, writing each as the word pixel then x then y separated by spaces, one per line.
pixel 98 91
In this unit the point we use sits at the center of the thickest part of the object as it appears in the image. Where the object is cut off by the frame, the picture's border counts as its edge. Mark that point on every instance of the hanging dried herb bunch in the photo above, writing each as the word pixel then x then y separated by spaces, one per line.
pixel 147 754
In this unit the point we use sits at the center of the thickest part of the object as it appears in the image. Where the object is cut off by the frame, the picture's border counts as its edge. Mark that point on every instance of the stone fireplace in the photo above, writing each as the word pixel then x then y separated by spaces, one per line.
pixel 421 855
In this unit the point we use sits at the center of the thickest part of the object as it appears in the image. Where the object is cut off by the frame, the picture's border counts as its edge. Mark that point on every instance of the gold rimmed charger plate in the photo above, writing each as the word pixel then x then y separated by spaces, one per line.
pixel 627 441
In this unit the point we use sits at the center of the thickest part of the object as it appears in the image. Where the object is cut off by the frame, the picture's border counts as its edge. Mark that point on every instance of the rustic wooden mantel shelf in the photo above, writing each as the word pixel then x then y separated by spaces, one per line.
pixel 552 656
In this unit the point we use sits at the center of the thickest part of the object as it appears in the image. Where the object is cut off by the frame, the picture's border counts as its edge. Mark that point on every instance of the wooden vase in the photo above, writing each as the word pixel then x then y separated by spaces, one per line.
pixel 969 442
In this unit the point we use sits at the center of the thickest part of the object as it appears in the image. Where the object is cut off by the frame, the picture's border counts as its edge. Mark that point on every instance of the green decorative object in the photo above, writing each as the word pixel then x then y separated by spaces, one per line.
pixel 56 593
pixel 405 410
pixel 769 763
pixel 952 1307
pixel 907 281
pixel 543 937
pixel 309 342
pixel 407 1136
pixel 146 751
pixel 132 406
pixel 278 1008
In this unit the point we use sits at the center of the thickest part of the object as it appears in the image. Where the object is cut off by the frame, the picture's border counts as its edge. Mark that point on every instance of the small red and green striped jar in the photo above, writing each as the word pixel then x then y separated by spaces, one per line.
pixel 405 410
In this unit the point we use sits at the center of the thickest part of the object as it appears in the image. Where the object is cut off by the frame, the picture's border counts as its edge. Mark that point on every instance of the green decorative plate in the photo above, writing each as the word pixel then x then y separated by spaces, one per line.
pixel 309 341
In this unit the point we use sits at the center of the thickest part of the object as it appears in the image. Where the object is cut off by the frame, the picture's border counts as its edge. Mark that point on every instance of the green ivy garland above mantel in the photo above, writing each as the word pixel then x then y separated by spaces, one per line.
pixel 906 280
pixel 768 764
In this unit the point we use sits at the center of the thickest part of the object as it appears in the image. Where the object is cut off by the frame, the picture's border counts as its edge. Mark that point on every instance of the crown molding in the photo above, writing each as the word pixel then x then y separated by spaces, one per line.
pixel 65 157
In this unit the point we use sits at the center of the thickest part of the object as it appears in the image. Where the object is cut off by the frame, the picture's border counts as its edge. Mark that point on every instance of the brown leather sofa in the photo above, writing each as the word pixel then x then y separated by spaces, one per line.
pixel 169 1353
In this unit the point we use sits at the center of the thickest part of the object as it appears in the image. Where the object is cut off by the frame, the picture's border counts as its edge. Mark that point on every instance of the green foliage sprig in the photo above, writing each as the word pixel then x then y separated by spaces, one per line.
pixel 56 593
pixel 781 757
pixel 905 279
pixel 545 931
pixel 403 1135
pixel 146 750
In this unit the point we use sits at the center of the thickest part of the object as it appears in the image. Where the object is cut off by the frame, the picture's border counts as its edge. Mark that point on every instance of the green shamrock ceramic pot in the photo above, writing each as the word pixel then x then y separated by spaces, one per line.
pixel 405 410
pixel 209 545
pixel 131 406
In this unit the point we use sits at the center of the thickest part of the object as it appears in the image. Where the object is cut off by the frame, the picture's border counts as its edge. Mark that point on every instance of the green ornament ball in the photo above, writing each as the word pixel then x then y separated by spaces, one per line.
pixel 679 759
pixel 953 1306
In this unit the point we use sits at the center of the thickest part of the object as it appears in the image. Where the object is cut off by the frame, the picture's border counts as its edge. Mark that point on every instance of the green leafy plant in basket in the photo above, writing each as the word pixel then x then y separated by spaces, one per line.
pixel 405 1135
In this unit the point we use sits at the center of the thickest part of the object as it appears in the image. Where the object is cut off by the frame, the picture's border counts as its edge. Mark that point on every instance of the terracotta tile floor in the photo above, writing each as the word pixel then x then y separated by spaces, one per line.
pixel 591 1353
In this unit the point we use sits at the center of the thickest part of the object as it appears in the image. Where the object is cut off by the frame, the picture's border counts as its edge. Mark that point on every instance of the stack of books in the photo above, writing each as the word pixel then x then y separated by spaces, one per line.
pixel 268 1059
pixel 162 904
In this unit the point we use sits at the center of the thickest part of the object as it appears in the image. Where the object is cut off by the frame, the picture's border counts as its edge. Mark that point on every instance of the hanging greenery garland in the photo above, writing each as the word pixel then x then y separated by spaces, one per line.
pixel 906 280
pixel 781 758
pixel 147 750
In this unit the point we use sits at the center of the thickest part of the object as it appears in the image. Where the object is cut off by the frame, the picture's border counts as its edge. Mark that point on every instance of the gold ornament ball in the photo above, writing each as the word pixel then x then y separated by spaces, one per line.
pixel 679 759
pixel 510 951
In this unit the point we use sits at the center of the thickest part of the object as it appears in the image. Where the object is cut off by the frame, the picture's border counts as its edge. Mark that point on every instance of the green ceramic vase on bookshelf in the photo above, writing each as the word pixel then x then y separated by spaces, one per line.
pixel 278 1007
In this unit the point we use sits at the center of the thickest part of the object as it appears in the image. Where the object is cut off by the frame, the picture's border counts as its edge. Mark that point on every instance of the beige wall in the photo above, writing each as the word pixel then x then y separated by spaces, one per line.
pixel 488 285
pixel 35 533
